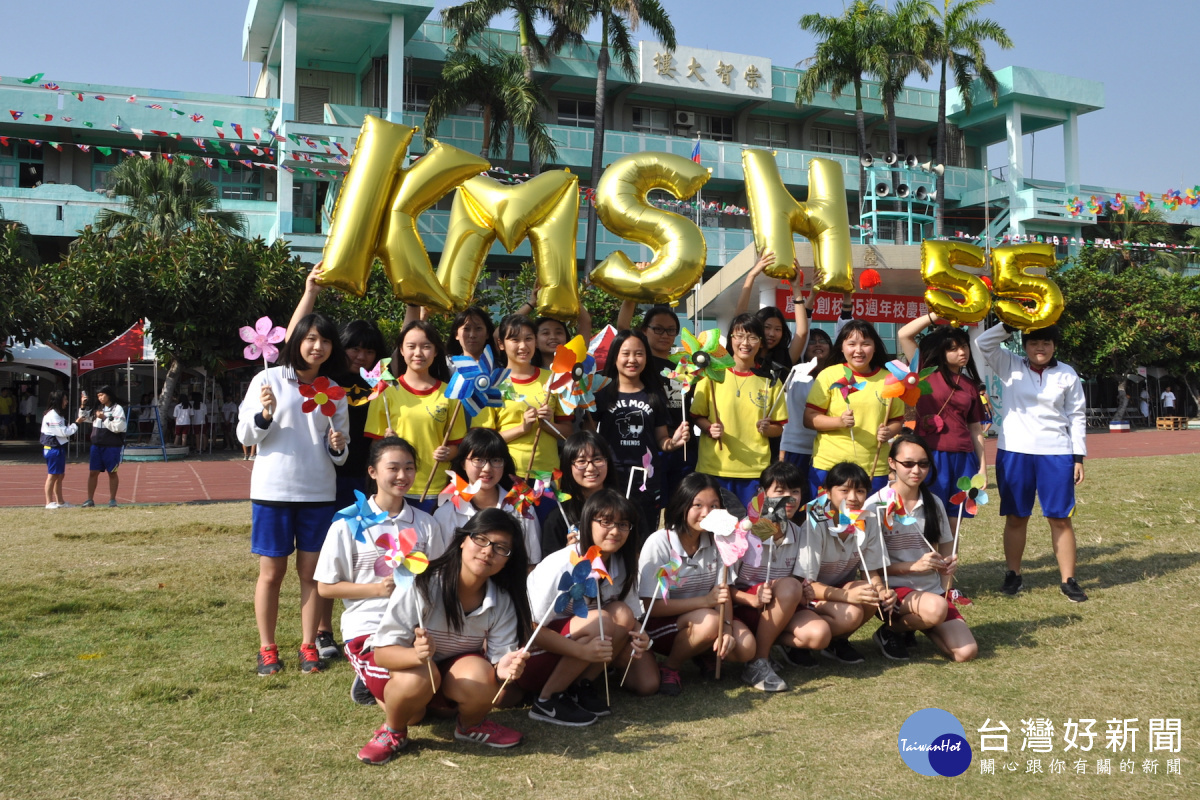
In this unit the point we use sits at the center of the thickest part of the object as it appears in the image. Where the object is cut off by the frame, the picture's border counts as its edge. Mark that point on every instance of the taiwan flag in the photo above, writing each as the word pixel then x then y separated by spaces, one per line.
pixel 696 151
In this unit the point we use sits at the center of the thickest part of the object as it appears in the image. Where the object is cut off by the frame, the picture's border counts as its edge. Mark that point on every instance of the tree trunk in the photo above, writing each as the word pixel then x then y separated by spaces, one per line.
pixel 509 146
pixel 487 130
pixel 860 122
pixel 589 252
pixel 1122 397
pixel 1183 409
pixel 893 143
pixel 527 54
pixel 940 184
pixel 170 382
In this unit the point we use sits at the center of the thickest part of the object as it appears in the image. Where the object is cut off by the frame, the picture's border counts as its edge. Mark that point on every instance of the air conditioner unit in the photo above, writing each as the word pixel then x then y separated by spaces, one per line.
pixel 685 119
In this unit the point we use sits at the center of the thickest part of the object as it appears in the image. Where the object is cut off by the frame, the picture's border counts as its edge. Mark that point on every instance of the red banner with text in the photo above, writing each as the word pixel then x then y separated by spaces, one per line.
pixel 874 308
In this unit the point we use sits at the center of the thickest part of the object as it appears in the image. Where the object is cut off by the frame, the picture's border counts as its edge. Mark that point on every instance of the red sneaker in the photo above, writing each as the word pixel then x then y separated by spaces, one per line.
pixel 310 659
pixel 669 682
pixel 958 598
pixel 268 660
pixel 384 746
pixel 493 734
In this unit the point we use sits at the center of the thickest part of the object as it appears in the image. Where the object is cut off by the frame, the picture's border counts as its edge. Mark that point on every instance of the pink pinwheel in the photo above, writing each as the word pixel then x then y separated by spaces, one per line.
pixel 261 340
pixel 378 379
pixel 732 542
pixel 847 385
pixel 647 468
pixel 321 394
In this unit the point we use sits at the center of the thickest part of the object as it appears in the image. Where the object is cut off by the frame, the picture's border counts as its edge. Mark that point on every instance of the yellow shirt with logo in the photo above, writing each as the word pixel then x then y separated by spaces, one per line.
pixel 870 411
pixel 420 418
pixel 512 415
pixel 743 399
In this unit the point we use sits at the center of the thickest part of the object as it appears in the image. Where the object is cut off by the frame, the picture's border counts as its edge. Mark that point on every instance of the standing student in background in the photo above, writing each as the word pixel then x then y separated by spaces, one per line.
pixel 780 348
pixel 56 433
pixel 229 411
pixel 1168 401
pixel 183 420
pixel 199 421
pixel 108 444
pixel 470 332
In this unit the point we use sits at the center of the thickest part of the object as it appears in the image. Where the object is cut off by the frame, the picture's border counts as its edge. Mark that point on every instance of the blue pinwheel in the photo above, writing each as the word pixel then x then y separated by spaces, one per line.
pixel 477 384
pixel 574 588
pixel 359 517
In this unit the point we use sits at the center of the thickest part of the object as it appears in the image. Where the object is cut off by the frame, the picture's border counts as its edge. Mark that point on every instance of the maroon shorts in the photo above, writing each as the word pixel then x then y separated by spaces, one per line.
pixel 542 662
pixel 376 677
pixel 748 615
pixel 182 430
pixel 663 631
pixel 951 611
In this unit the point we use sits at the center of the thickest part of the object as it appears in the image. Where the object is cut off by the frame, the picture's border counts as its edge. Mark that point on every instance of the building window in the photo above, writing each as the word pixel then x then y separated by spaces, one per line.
pixel 651 120
pixel 418 97
pixel 768 133
pixel 718 129
pixel 577 113
pixel 21 165
pixel 240 183
pixel 879 144
pixel 102 165
pixel 835 140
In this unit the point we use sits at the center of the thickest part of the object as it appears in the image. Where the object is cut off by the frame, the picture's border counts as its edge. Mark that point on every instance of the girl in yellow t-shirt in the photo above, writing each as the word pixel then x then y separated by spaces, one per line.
pixel 417 410
pixel 852 419
pixel 735 448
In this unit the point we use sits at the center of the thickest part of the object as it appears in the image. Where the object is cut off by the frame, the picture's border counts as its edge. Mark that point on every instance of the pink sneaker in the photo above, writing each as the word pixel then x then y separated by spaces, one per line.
pixel 493 734
pixel 383 747
pixel 958 598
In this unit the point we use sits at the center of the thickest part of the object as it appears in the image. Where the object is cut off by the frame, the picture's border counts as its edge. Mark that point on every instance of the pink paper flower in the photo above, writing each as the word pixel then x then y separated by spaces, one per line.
pixel 261 340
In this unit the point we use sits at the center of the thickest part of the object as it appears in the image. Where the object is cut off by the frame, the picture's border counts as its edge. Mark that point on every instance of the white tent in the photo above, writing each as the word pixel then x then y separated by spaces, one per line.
pixel 40 356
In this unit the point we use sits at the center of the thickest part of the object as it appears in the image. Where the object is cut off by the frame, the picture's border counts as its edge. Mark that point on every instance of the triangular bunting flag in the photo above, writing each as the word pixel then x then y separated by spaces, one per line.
pixel 235 147
pixel 257 132
pixel 225 165
pixel 199 143
pixel 155 107
pixel 137 133
pixel 106 150
pixel 55 145
pixel 145 154
pixel 159 133
pixel 16 115
pixel 132 98
pixel 101 97
pixel 89 125
pixel 78 96
pixel 84 147
pixel 196 118
pixel 54 87
pixel 32 78
pixel 238 129
pixel 44 117
pixel 207 160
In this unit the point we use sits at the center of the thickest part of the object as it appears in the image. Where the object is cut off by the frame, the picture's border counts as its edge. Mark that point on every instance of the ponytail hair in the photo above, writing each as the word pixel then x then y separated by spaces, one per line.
pixel 933 520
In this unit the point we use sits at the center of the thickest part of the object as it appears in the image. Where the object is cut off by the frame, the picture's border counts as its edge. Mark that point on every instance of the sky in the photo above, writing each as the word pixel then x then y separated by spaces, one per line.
pixel 1140 52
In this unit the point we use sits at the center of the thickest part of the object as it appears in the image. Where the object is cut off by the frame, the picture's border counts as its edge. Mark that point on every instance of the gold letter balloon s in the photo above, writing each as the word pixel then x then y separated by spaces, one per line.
pixel 1016 289
pixel 376 211
pixel 679 248
pixel 939 260
pixel 822 219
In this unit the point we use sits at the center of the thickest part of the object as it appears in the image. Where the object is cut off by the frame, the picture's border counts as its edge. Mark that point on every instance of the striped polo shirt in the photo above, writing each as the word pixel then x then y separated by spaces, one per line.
pixel 906 543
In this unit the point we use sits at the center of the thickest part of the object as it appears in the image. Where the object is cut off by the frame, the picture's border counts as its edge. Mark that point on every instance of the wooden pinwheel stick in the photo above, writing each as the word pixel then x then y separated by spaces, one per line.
pixel 533 451
pixel 954 550
pixel 645 619
pixel 557 432
pixel 716 415
pixel 878 444
pixel 446 438
pixel 428 661
pixel 525 649
pixel 720 626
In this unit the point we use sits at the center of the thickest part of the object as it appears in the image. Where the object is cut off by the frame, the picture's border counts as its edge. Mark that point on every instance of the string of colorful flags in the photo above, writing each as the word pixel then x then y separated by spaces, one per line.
pixel 1079 241
pixel 1119 203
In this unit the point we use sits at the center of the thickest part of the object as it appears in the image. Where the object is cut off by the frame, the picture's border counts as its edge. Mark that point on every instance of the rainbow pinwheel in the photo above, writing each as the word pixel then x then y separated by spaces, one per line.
pixel 705 355
pixel 847 385
pixel 399 557
pixel 971 493
pixel 573 376
pixel 818 508
pixel 359 517
pixel 321 394
pixel 378 379
pixel 732 542
pixel 1117 204
pixel 1094 206
pixel 1143 203
pixel 522 496
pixel 458 491
pixel 575 587
pixel 850 519
pixel 667 576
pixel 893 509
pixel 684 373
pixel 261 340
pixel 546 484
pixel 477 385
pixel 909 383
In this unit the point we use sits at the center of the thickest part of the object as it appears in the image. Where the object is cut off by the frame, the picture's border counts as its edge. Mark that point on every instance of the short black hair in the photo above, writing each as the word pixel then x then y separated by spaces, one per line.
pixel 365 335
pixel 453 346
pixel 1050 333
pixel 784 473
pixel 681 500
pixel 289 355
pixel 656 311
pixel 847 473
pixel 860 326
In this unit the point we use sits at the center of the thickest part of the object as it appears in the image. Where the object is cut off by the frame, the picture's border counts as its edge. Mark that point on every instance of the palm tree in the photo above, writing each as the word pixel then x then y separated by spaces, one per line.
pixel 509 100
pixel 163 198
pixel 617 19
pixel 956 37
pixel 851 47
pixel 905 43
pixel 1137 227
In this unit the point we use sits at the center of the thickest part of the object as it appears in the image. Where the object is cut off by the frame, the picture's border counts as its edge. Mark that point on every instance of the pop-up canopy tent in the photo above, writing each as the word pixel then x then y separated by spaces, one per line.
pixel 38 356
pixel 132 345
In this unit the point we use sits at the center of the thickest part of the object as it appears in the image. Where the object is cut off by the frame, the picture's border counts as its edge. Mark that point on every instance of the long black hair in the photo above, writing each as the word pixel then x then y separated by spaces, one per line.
pixel 511 325
pixel 933 352
pixel 676 513
pixel 510 579
pixel 439 369
pixel 616 507
pixel 539 359
pixel 860 326
pixel 577 444
pixel 484 443
pixel 289 354
pixel 453 345
pixel 780 354
pixel 933 522
pixel 113 397
pixel 650 378
pixel 364 335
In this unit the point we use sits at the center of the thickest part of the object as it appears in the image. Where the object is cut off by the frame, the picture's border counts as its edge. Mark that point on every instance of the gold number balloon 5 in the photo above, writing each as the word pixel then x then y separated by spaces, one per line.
pixel 822 219
pixel 545 209
pixel 680 251
pixel 376 211
pixel 1015 287
pixel 938 261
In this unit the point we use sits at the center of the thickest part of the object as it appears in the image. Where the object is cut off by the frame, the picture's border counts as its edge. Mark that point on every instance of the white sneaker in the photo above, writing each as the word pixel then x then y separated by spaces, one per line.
pixel 65 505
pixel 758 673
pixel 51 505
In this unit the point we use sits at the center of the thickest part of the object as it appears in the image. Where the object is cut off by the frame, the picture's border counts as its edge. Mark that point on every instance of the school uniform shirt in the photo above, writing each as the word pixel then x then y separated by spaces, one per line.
pixel 835 446
pixel 198 415
pixel 837 560
pixel 420 418
pixel 110 431
pixel 294 463
pixel 1044 412
pixel 512 415
pixel 1168 401
pixel 358 446
pixel 183 415
pixel 542 584
pixel 906 542
pixel 743 399
pixel 699 572
pixel 229 411
pixel 490 629
pixel 797 438
pixel 55 430
pixel 448 519
pixel 956 402
pixel 784 559
pixel 343 558
pixel 627 421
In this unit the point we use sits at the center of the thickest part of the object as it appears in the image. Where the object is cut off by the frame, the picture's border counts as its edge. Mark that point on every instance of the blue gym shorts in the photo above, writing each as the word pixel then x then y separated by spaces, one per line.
pixel 56 460
pixel 1021 475
pixel 948 468
pixel 279 531
pixel 104 459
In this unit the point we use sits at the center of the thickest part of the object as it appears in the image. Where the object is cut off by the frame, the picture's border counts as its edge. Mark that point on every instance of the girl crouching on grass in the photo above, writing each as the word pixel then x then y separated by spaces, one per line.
pixel 917 571
pixel 840 598
pixel 455 633
pixel 688 624
pixel 346 567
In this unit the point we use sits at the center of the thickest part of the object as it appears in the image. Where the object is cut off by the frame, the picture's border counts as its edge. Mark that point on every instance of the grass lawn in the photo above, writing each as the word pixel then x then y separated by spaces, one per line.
pixel 129 647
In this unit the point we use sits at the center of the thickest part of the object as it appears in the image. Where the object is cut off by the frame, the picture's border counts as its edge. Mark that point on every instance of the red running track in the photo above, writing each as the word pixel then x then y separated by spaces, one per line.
pixel 200 480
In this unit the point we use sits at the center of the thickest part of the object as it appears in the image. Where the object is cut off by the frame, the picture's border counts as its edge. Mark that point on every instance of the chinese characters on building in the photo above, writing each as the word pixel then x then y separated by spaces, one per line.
pixel 664 64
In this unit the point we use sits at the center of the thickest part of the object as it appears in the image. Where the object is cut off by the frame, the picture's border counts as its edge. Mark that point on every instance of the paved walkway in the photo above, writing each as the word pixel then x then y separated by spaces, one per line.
pixel 227 477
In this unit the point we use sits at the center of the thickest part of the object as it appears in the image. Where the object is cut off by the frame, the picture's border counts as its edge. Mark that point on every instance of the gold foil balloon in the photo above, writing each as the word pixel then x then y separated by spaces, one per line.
pixel 938 262
pixel 1016 288
pixel 545 209
pixel 680 251
pixel 822 219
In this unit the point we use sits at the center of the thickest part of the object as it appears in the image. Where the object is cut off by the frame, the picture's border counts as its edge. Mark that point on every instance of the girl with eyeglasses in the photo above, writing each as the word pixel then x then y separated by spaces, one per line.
pixel 780 348
pixel 920 543
pixel 660 326
pixel 483 456
pixel 467 617
pixel 569 653
pixel 735 448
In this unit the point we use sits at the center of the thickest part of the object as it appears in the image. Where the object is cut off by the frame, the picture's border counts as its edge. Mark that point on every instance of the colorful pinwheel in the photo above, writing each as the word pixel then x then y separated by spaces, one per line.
pixel 547 484
pixel 971 493
pixel 321 394
pixel 848 519
pixel 399 557
pixel 1094 206
pixel 1117 204
pixel 575 587
pixel 573 376
pixel 847 385
pixel 261 340
pixel 647 467
pixel 458 491
pixel 705 355
pixel 684 373
pixel 522 496
pixel 593 557
pixel 818 508
pixel 909 383
pixel 359 517
pixel 378 379
pixel 667 576
pixel 477 385
pixel 893 509
pixel 732 542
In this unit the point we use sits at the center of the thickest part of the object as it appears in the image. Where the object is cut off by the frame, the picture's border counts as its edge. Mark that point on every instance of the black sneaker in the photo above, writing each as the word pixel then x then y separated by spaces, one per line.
pixel 360 694
pixel 1073 592
pixel 268 660
pixel 797 656
pixel 1012 583
pixel 841 650
pixel 910 638
pixel 327 648
pixel 891 644
pixel 560 709
pixel 310 660
pixel 586 697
